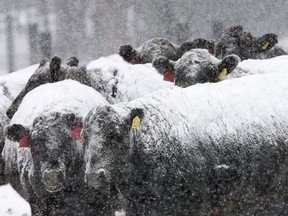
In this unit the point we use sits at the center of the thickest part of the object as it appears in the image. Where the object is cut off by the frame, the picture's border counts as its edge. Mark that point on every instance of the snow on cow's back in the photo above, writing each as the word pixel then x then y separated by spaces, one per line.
pixel 260 66
pixel 207 108
pixel 11 84
pixel 17 80
pixel 67 96
pixel 131 81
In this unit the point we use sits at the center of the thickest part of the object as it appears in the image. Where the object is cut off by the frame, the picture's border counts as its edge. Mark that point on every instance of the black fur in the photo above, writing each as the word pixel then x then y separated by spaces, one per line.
pixel 235 40
pixel 241 172
pixel 15 132
pixel 162 64
pixel 73 61
pixel 157 47
pixel 198 43
pixel 229 62
pixel 54 66
pixel 196 66
pixel 64 157
pixel 127 52
pixel 49 73
pixel 148 51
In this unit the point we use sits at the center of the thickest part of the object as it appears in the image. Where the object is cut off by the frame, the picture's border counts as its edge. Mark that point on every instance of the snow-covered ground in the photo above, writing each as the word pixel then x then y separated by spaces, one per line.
pixel 12 204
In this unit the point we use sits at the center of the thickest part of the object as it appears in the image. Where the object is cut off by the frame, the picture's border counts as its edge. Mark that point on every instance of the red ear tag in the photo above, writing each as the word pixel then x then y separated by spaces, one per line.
pixel 76 133
pixel 24 142
pixel 168 76
pixel 133 60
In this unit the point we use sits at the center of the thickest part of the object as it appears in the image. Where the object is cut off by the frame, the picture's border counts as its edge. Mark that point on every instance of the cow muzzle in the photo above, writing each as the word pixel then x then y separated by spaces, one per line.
pixel 98 178
pixel 53 179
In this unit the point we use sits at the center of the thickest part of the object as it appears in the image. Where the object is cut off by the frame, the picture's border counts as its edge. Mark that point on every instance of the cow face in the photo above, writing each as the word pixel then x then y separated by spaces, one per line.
pixel 107 144
pixel 56 148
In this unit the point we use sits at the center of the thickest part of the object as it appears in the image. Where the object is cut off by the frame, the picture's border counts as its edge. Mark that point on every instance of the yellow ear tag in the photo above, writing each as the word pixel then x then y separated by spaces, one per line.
pixel 222 74
pixel 265 45
pixel 136 122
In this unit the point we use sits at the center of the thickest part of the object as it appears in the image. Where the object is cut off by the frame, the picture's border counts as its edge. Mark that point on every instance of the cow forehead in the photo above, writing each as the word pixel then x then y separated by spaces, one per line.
pixel 51 127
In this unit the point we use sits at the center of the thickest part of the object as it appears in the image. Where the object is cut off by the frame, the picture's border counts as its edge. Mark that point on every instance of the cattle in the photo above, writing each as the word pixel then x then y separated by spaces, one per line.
pixel 10 86
pixel 271 53
pixel 44 152
pixel 196 66
pixel 235 40
pixel 49 72
pixel 156 47
pixel 259 66
pixel 116 80
pixel 209 149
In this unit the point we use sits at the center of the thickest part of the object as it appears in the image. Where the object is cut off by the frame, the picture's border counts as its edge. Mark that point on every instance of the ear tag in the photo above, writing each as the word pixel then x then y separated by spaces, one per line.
pixel 222 74
pixel 133 60
pixel 168 76
pixel 265 45
pixel 24 142
pixel 136 122
pixel 76 133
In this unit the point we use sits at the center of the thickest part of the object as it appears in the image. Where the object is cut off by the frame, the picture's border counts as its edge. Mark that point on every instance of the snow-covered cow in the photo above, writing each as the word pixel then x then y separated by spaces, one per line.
pixel 48 72
pixel 209 149
pixel 156 47
pixel 10 86
pixel 44 152
pixel 235 40
pixel 115 79
pixel 196 66
pixel 257 66
pixel 119 81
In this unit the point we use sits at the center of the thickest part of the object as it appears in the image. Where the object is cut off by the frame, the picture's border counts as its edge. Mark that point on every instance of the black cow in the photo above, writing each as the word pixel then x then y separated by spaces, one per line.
pixel 10 86
pixel 156 47
pixel 204 150
pixel 196 66
pixel 235 40
pixel 49 72
pixel 44 152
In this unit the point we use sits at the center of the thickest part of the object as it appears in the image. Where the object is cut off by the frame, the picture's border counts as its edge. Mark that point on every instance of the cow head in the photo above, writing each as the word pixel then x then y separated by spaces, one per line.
pixel 56 148
pixel 107 144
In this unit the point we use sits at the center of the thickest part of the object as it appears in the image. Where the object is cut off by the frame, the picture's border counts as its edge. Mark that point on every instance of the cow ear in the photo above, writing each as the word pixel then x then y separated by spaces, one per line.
pixel 55 64
pixel 73 61
pixel 15 132
pixel 43 62
pixel 135 117
pixel 267 41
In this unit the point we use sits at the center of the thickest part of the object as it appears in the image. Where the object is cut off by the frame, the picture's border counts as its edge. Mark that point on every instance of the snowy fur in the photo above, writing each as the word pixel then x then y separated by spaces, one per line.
pixel 49 113
pixel 196 66
pixel 119 81
pixel 115 79
pixel 256 66
pixel 235 40
pixel 10 86
pixel 43 74
pixel 149 50
pixel 157 47
pixel 198 151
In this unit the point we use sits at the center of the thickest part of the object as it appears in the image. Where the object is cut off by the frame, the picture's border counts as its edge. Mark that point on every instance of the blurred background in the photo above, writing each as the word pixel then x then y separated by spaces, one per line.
pixel 34 29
